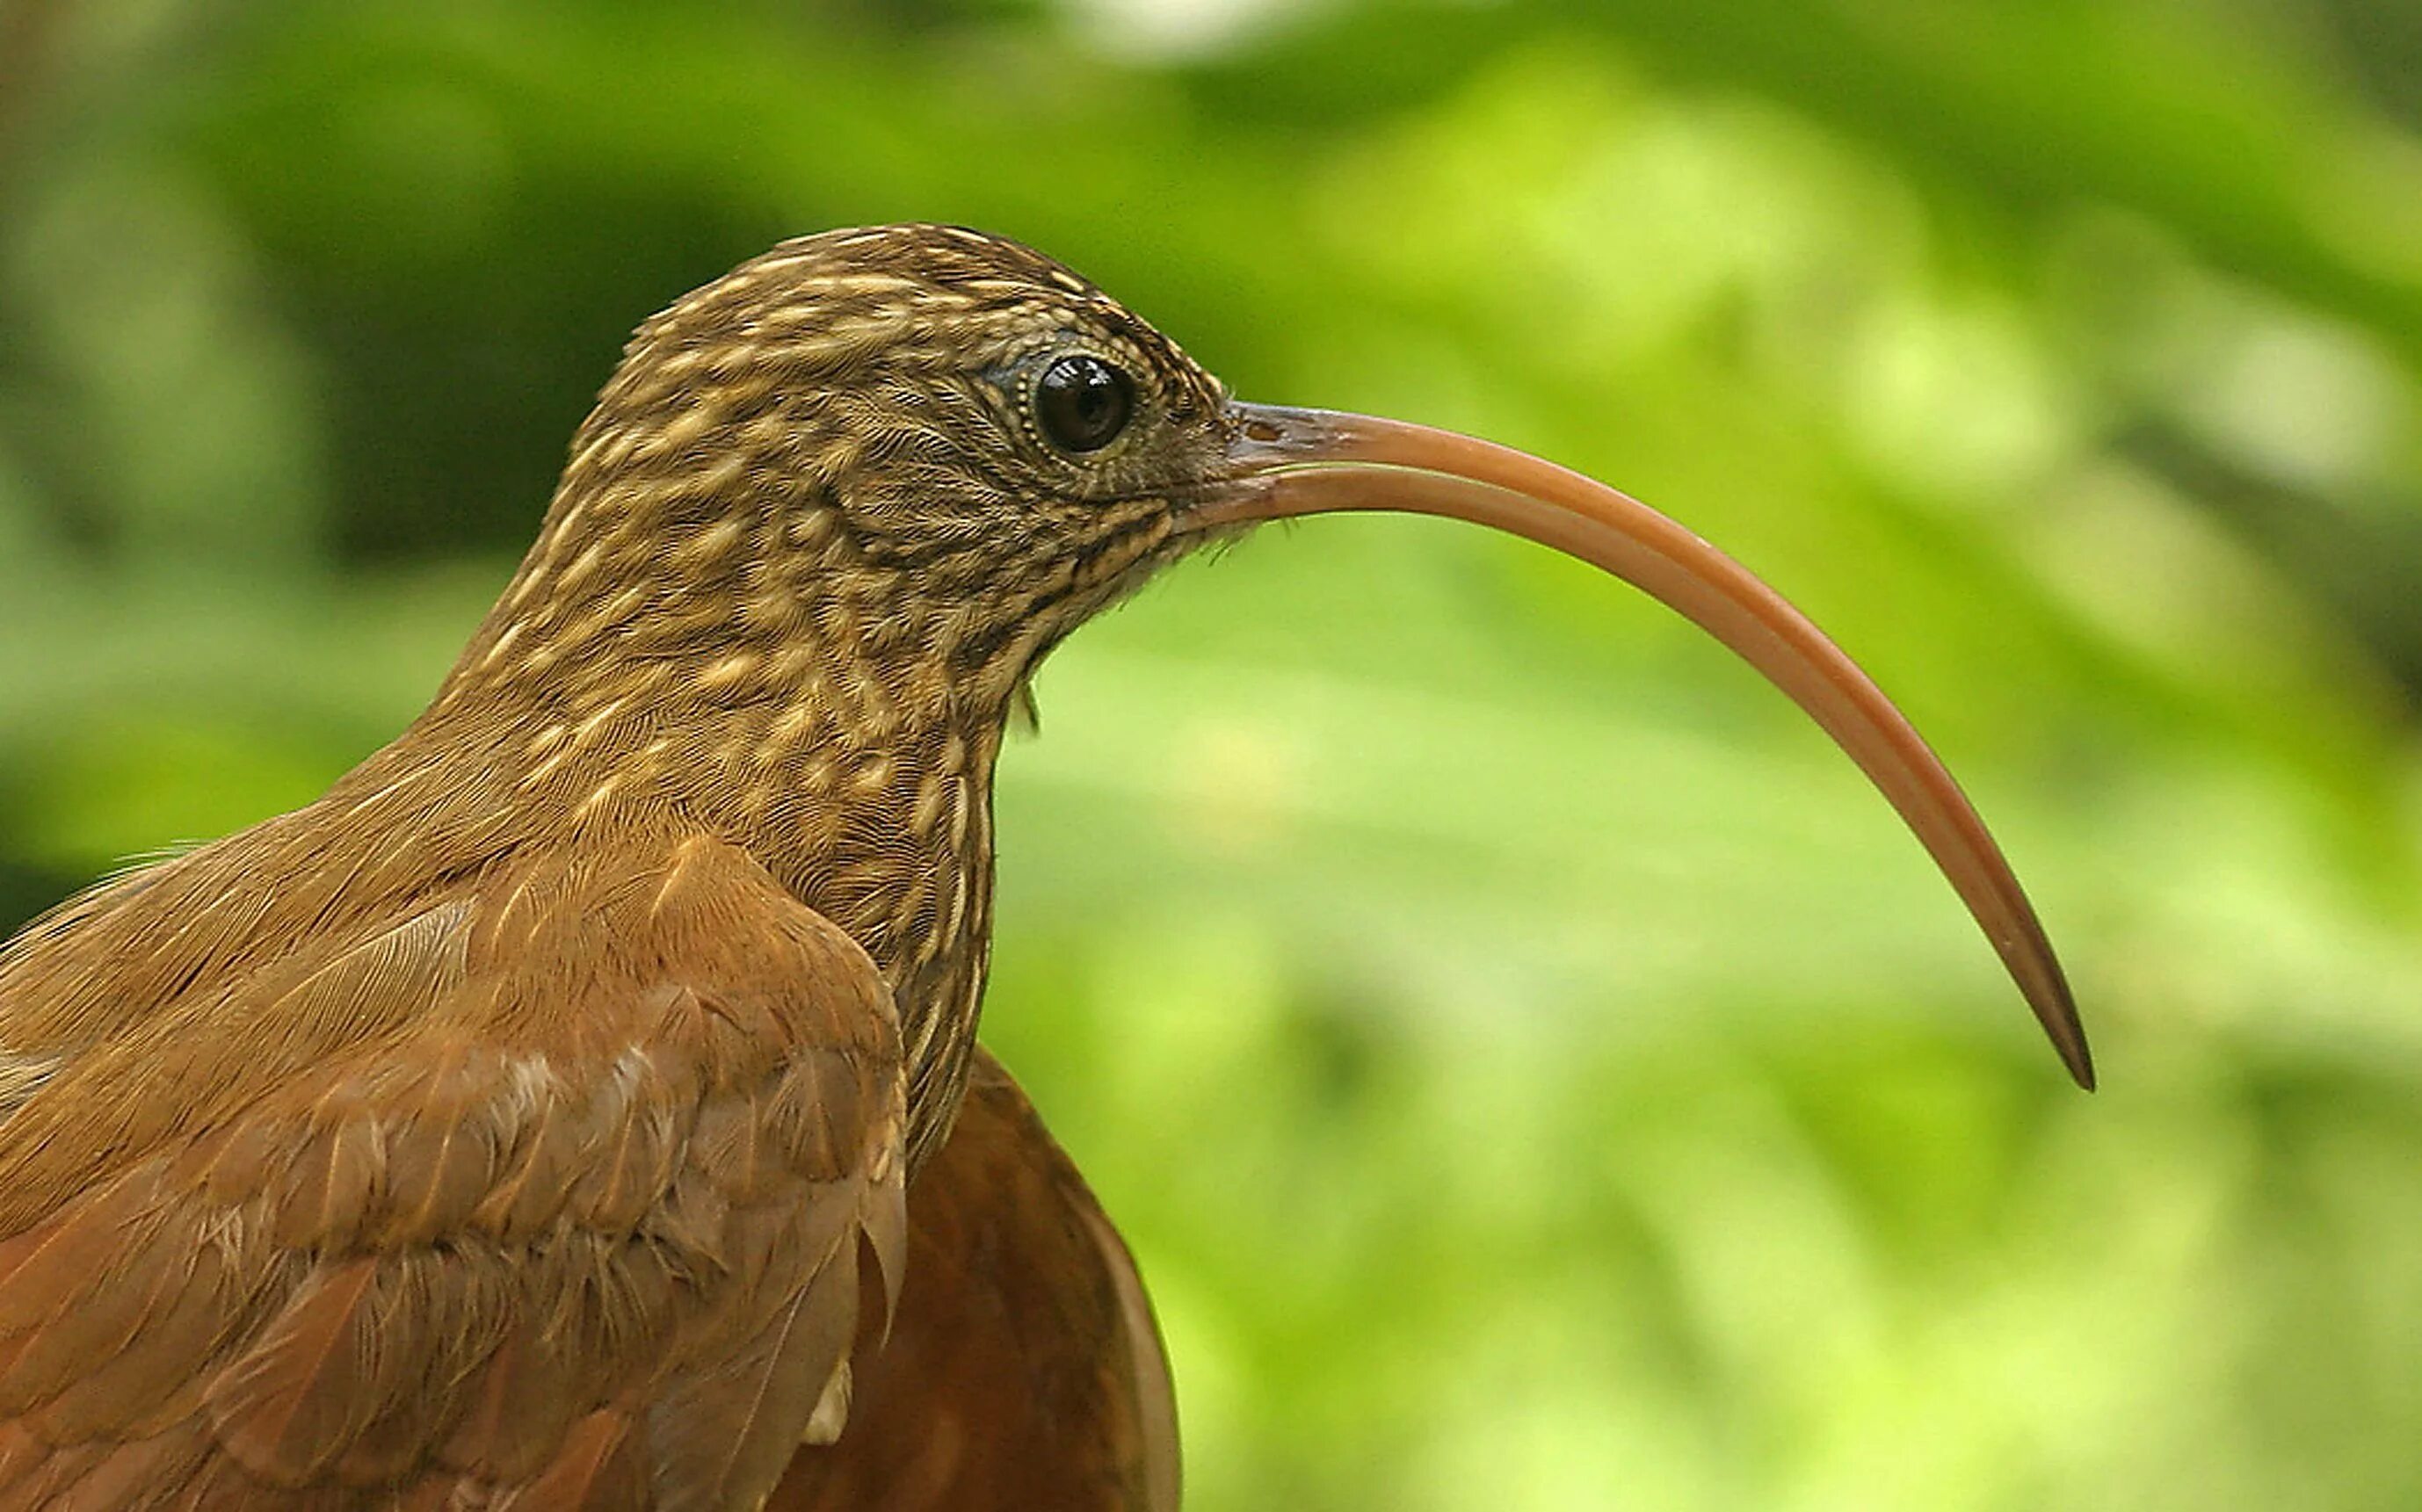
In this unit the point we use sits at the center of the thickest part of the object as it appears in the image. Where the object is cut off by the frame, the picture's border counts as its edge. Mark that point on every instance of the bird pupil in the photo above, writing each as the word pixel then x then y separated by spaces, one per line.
pixel 1083 403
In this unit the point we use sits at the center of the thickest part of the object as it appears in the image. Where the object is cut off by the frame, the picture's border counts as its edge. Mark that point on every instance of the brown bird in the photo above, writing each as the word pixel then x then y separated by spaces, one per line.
pixel 579 1106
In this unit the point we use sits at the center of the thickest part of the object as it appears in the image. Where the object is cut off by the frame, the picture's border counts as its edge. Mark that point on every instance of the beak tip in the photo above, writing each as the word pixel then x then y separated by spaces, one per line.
pixel 2069 1041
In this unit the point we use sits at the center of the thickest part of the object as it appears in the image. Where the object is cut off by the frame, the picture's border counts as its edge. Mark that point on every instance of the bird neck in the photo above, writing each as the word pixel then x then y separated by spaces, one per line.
pixel 793 703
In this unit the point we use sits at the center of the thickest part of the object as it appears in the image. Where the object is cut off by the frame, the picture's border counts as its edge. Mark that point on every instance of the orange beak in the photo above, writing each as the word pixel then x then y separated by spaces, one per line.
pixel 1287 461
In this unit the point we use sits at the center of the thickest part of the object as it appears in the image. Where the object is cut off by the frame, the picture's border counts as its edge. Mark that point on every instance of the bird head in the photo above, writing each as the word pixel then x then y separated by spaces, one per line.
pixel 923 455
pixel 929 450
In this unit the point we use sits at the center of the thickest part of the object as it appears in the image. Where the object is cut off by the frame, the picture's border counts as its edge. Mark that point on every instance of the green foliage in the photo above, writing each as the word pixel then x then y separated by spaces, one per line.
pixel 1534 1070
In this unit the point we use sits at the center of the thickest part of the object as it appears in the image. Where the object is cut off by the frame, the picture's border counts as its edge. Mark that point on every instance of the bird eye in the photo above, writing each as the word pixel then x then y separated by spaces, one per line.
pixel 1083 403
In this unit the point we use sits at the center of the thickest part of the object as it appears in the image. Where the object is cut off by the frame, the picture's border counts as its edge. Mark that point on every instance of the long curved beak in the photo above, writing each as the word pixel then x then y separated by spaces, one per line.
pixel 1288 462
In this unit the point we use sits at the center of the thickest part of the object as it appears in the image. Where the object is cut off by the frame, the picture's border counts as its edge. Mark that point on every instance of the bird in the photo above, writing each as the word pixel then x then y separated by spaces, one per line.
pixel 580 1104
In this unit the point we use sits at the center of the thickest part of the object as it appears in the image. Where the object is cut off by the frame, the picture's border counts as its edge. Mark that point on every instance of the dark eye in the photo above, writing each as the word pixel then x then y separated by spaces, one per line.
pixel 1083 403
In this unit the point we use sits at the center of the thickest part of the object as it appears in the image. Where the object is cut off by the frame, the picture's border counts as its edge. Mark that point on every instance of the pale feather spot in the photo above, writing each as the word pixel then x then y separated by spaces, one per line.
pixel 796 724
pixel 592 452
pixel 874 777
pixel 591 557
pixel 530 1083
pixel 725 475
pixel 765 433
pixel 840 457
pixel 587 728
pixel 732 669
pixel 619 450
pixel 869 283
pixel 832 1408
pixel 795 665
pixel 810 312
pixel 723 538
pixel 879 720
pixel 745 390
pixel 389 790
pixel 22 1076
pixel 739 281
pixel 928 686
pixel 504 643
pixel 618 608
pixel 958 813
pixel 685 429
pixel 597 797
pixel 545 770
pixel 927 815
pixel 547 739
pixel 920 1043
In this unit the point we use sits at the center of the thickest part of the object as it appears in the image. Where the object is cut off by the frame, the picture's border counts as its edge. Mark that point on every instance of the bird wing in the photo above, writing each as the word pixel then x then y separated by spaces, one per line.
pixel 564 1209
pixel 1024 1369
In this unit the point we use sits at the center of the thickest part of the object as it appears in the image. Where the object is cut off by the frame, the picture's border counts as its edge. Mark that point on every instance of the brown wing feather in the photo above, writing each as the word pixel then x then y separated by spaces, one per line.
pixel 1024 1370
pixel 570 1217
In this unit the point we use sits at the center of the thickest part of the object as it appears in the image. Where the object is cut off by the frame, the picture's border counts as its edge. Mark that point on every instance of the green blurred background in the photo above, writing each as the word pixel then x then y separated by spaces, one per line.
pixel 1534 1070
